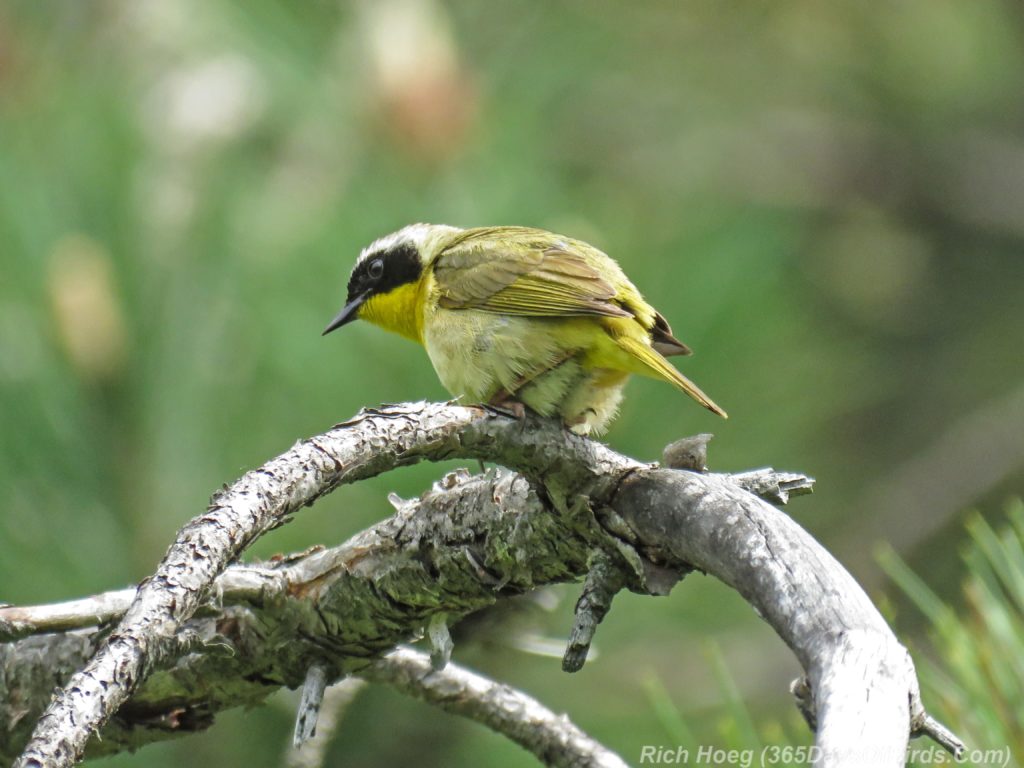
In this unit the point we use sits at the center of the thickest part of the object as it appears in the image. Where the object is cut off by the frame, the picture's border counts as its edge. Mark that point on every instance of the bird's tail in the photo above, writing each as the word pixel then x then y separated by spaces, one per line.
pixel 660 368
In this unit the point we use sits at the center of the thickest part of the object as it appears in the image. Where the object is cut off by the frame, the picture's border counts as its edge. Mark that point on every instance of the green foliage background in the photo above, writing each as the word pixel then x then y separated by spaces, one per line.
pixel 826 200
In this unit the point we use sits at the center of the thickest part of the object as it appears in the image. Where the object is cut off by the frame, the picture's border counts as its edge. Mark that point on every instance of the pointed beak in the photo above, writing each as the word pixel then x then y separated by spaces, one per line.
pixel 348 313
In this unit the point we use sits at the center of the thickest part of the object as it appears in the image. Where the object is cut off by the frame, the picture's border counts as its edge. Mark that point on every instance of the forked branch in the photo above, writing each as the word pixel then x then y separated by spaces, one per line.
pixel 862 685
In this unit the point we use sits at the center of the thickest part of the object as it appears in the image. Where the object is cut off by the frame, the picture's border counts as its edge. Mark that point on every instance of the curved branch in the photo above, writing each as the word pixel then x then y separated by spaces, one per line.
pixel 862 681
pixel 369 444
pixel 552 738
pixel 847 649
pixel 456 550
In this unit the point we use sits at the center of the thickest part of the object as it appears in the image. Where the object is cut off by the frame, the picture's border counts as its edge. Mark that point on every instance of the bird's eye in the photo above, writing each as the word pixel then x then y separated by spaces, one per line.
pixel 376 269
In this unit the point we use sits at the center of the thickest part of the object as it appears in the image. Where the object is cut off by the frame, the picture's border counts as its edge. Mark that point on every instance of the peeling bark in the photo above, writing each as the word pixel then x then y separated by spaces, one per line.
pixel 464 545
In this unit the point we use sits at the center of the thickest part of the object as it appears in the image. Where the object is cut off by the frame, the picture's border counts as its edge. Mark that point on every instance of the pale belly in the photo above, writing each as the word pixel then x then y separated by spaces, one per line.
pixel 480 356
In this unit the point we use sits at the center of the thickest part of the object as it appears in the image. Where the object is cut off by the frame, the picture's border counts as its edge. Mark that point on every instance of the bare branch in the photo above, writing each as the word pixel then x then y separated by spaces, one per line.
pixel 552 738
pixel 456 550
pixel 336 700
pixel 774 487
pixel 311 614
pixel 659 522
pixel 367 445
pixel 860 677
pixel 21 621
pixel 941 735
pixel 309 704
pixel 603 582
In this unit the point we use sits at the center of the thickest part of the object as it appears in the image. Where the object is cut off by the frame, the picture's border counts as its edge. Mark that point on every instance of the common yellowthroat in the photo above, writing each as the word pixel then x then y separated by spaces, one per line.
pixel 516 316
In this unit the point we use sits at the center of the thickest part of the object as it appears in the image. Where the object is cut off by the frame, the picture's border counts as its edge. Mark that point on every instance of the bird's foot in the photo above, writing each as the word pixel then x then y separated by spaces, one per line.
pixel 506 404
pixel 581 424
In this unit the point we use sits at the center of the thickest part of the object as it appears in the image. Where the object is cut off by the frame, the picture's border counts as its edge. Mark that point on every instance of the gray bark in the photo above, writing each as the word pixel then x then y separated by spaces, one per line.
pixel 552 738
pixel 461 547
pixel 312 752
pixel 481 536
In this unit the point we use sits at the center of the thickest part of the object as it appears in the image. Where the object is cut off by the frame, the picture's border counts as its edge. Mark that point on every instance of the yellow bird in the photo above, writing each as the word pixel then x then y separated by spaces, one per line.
pixel 515 316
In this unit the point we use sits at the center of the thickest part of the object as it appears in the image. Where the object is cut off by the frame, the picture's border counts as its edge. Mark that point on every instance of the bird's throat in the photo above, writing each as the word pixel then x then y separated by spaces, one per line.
pixel 399 311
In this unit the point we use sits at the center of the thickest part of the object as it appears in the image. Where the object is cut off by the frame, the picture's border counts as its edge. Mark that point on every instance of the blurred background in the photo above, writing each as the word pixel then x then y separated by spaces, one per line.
pixel 825 200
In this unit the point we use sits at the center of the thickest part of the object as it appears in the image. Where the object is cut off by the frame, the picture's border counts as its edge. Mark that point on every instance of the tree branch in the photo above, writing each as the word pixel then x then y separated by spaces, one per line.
pixel 552 738
pixel 457 549
pixel 651 519
pixel 312 752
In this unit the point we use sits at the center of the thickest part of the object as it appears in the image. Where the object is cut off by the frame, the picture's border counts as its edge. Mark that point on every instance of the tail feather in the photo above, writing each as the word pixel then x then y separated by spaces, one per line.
pixel 661 368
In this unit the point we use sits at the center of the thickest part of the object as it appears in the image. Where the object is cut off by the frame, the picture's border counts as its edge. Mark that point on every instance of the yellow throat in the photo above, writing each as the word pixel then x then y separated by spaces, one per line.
pixel 400 310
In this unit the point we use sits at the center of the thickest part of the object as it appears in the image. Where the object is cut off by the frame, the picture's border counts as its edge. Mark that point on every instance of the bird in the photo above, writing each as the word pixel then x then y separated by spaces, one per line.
pixel 517 318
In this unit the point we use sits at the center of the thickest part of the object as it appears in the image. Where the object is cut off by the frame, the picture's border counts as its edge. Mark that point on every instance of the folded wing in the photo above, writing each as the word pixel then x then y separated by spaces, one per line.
pixel 523 278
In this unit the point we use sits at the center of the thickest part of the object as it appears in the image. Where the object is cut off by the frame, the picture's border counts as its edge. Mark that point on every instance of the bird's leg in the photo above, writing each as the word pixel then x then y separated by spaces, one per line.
pixel 504 402
pixel 505 399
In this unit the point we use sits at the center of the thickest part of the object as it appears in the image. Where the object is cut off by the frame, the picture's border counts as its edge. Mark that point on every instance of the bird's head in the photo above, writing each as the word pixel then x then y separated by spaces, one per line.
pixel 384 285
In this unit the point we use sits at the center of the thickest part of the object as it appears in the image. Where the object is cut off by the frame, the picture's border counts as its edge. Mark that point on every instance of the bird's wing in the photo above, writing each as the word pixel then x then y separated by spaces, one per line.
pixel 522 276
pixel 663 340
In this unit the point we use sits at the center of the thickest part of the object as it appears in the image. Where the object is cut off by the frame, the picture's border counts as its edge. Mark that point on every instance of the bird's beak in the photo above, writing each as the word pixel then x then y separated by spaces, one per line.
pixel 348 313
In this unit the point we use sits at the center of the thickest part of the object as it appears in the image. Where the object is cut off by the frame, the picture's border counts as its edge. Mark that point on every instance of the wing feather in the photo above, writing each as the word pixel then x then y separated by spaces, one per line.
pixel 525 276
pixel 663 340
